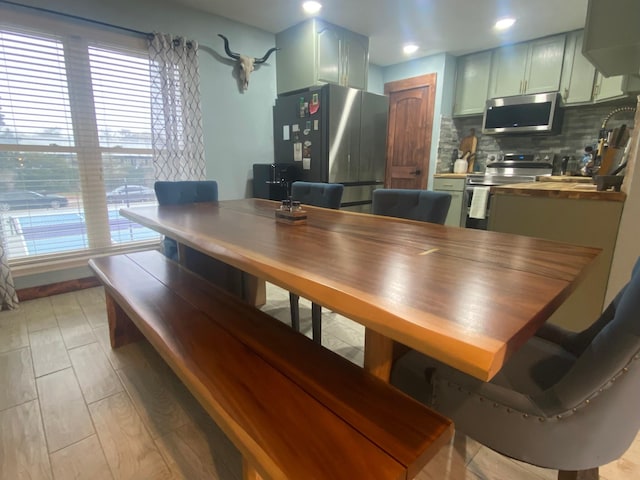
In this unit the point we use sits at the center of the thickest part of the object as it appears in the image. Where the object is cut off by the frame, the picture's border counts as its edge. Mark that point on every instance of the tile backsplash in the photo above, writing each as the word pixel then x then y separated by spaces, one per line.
pixel 580 128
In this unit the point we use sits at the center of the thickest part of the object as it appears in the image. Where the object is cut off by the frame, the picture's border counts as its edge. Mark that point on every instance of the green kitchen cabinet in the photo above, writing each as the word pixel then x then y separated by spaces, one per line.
pixel 578 74
pixel 316 52
pixel 457 209
pixel 612 88
pixel 472 83
pixel 531 67
pixel 578 221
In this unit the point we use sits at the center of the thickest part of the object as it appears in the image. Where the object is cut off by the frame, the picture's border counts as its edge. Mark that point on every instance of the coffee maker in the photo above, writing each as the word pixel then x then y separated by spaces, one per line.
pixel 273 180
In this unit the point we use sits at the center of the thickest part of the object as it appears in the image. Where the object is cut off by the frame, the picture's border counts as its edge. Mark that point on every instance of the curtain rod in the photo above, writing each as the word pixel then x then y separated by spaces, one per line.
pixel 76 17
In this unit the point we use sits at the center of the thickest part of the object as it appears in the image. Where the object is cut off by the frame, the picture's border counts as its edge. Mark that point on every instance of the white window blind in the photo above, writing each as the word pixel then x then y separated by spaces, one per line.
pixel 75 139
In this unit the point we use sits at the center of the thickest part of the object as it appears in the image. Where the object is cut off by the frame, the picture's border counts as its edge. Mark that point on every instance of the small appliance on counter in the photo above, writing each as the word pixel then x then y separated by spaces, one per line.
pixel 272 181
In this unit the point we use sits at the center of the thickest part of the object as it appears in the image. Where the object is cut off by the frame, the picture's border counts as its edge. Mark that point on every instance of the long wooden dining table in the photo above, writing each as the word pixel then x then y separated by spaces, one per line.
pixel 468 298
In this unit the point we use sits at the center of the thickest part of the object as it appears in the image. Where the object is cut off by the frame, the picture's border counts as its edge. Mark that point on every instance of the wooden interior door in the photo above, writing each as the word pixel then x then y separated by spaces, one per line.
pixel 409 134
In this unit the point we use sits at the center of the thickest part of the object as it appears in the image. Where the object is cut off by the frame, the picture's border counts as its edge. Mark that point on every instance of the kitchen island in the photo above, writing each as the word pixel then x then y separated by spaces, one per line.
pixel 566 212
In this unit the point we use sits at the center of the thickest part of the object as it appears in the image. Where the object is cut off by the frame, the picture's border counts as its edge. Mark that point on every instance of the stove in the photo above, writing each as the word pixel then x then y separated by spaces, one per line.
pixel 489 180
pixel 512 168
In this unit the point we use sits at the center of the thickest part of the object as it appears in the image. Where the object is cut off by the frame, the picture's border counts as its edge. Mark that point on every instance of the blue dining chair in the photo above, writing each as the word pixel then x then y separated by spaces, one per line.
pixel 181 192
pixel 326 195
pixel 421 205
pixel 565 400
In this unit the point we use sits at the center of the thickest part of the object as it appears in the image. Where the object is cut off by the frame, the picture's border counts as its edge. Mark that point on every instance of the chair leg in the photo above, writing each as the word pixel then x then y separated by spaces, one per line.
pixel 295 311
pixel 316 323
pixel 590 474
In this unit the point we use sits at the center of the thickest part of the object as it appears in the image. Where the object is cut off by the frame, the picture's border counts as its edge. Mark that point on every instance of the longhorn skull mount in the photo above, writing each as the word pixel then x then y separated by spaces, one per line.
pixel 245 63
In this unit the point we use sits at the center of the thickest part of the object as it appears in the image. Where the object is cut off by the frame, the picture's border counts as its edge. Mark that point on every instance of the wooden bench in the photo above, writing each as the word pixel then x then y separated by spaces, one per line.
pixel 293 408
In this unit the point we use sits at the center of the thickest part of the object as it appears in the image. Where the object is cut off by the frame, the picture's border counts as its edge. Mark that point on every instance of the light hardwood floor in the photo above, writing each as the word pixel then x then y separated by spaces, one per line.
pixel 72 408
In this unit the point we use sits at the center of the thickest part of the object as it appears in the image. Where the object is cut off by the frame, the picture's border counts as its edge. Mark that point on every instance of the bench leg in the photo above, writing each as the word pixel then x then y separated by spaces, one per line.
pixel 248 472
pixel 121 329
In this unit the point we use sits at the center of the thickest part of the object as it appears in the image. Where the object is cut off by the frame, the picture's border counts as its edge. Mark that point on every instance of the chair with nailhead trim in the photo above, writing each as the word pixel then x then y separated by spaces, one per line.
pixel 566 401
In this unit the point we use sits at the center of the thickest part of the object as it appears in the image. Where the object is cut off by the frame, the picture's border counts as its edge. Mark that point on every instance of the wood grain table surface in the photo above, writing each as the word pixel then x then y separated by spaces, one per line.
pixel 468 298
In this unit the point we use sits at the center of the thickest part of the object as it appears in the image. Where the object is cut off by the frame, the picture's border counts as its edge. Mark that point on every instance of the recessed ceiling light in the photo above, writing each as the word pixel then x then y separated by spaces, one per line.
pixel 311 7
pixel 410 48
pixel 504 23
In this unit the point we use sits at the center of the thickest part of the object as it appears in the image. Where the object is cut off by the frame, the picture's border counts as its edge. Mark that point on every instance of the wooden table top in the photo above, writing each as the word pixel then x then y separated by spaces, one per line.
pixel 466 297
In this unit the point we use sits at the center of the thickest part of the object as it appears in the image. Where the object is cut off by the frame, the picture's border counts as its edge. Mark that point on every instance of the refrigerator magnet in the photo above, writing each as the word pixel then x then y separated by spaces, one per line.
pixel 306 149
pixel 316 124
pixel 315 104
pixel 295 127
pixel 306 163
pixel 285 133
pixel 297 152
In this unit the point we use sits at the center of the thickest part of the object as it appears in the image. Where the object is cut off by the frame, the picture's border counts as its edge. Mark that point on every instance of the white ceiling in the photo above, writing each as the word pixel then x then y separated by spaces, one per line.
pixel 453 26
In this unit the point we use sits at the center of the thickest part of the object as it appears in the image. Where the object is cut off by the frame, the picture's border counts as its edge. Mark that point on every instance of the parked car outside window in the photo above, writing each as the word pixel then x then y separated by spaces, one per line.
pixel 25 199
pixel 131 193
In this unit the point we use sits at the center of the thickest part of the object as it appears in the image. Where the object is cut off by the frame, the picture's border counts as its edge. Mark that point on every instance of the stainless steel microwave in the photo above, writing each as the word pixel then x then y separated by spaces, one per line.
pixel 539 113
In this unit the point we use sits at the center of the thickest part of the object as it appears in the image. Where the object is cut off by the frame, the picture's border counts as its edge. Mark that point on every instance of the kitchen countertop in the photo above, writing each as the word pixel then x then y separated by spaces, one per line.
pixel 571 190
pixel 564 178
pixel 450 175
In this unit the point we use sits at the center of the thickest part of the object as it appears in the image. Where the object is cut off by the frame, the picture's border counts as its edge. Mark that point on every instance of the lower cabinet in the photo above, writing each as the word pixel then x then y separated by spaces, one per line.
pixel 455 187
pixel 586 222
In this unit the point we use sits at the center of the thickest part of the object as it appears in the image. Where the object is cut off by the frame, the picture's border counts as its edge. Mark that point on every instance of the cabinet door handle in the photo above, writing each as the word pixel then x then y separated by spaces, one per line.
pixel 524 90
pixel 416 172
pixel 520 91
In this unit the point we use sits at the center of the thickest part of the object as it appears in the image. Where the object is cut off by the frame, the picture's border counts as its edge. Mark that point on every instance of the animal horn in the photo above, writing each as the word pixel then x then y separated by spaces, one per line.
pixel 235 56
pixel 266 55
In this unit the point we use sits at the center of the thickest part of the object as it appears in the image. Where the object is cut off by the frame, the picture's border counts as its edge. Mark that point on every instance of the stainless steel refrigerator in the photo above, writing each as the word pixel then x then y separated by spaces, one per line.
pixel 334 134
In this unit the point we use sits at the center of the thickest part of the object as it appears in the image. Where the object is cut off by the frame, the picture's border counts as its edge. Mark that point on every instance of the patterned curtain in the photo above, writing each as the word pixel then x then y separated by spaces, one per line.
pixel 8 297
pixel 176 116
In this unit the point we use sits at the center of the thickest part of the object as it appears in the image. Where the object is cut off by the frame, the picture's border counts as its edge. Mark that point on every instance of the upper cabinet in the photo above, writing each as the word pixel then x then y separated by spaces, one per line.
pixel 531 67
pixel 581 83
pixel 316 52
pixel 472 83
pixel 614 87
pixel 544 65
pixel 577 72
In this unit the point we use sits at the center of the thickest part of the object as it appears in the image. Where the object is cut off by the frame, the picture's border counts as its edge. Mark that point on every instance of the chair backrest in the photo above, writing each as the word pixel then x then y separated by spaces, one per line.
pixel 421 205
pixel 327 195
pixel 187 191
pixel 613 348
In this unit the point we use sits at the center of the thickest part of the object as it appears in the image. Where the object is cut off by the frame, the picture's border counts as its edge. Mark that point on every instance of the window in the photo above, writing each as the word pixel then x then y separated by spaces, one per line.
pixel 75 138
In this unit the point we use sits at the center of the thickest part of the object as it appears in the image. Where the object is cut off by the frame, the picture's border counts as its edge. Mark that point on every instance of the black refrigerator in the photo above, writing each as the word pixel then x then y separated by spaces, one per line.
pixel 334 134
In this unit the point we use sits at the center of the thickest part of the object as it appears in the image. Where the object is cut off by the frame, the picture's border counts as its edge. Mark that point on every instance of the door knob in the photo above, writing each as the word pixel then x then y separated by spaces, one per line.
pixel 416 172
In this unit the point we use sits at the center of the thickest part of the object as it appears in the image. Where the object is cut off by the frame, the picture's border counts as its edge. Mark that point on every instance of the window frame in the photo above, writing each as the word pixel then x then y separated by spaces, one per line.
pixel 77 37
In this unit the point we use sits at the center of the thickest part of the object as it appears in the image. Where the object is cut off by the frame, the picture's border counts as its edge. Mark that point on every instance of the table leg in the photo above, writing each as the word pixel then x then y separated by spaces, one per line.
pixel 241 284
pixel 248 472
pixel 378 354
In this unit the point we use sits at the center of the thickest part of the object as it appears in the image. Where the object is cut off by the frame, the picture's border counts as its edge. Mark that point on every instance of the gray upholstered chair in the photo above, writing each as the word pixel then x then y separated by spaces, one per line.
pixel 566 401
pixel 327 195
pixel 180 192
pixel 422 205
